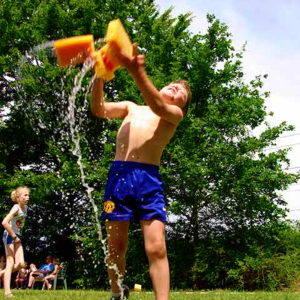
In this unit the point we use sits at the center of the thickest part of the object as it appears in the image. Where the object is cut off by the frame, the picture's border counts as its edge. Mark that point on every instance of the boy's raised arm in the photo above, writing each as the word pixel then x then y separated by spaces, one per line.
pixel 136 68
pixel 102 109
pixel 97 103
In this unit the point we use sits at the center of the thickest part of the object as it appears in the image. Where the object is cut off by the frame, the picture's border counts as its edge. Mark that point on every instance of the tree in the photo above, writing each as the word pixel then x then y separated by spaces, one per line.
pixel 220 183
pixel 223 185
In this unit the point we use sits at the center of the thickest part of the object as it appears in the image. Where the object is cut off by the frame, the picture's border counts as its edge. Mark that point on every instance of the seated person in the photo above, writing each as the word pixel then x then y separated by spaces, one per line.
pixel 53 274
pixel 43 271
pixel 32 268
pixel 21 279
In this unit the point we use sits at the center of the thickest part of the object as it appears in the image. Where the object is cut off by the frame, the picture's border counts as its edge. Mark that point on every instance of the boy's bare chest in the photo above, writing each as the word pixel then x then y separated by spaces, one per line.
pixel 143 122
pixel 141 119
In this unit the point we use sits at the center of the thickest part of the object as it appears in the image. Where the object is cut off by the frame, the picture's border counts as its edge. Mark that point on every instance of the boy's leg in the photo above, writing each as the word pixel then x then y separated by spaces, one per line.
pixel 117 236
pixel 155 246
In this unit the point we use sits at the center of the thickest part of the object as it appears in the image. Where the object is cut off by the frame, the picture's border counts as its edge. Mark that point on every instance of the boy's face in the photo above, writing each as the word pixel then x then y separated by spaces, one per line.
pixel 175 94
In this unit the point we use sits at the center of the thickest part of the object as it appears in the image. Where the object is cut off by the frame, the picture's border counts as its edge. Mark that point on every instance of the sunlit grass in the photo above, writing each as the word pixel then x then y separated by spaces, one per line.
pixel 180 295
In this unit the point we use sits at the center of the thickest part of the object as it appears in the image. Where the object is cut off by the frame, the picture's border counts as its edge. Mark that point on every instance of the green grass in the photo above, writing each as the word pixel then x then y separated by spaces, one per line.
pixel 99 295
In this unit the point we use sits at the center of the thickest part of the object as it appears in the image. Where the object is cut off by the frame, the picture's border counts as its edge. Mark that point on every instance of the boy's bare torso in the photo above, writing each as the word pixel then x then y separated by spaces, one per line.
pixel 143 136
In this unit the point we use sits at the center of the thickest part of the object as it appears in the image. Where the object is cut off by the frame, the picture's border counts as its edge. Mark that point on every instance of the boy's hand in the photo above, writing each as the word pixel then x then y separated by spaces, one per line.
pixel 132 64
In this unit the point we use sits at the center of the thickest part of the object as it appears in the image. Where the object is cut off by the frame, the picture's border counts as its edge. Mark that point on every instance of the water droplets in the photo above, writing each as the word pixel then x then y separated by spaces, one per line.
pixel 69 119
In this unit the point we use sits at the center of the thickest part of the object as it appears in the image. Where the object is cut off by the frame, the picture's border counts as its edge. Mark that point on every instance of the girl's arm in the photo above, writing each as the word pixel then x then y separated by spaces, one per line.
pixel 7 219
pixel 55 270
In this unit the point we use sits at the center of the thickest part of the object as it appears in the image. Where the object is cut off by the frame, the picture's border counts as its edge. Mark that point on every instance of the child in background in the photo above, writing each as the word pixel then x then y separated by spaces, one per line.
pixel 21 279
pixel 13 224
pixel 51 276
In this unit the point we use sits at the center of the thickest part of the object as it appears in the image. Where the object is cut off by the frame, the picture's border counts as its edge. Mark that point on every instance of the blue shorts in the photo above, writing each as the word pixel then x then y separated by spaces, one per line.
pixel 134 191
pixel 7 239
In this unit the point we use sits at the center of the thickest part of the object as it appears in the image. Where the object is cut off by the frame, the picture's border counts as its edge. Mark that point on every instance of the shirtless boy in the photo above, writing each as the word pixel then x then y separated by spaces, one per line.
pixel 134 188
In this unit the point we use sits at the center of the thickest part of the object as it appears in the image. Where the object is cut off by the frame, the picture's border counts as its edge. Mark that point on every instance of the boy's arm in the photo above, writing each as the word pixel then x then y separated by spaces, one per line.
pixel 136 68
pixel 102 109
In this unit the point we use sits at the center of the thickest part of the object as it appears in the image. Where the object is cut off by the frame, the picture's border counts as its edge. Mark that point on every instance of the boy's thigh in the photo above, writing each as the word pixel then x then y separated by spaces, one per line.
pixel 153 231
pixel 117 231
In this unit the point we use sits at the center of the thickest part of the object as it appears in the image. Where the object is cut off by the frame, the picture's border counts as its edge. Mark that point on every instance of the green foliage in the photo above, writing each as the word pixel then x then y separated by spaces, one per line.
pixel 221 184
pixel 270 270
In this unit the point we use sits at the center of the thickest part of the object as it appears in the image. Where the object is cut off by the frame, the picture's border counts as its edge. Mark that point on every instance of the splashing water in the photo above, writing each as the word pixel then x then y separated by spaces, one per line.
pixel 89 63
pixel 76 139
pixel 74 130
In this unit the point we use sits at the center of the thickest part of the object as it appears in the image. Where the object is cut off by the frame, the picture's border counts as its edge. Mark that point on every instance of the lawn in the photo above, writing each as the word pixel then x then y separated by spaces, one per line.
pixel 99 295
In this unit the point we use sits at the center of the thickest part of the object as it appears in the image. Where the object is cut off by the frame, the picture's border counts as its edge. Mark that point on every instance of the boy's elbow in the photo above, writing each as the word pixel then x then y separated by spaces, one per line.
pixel 97 113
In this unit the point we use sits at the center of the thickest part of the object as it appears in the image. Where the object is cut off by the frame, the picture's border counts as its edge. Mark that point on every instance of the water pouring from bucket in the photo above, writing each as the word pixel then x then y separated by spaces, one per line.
pixel 81 49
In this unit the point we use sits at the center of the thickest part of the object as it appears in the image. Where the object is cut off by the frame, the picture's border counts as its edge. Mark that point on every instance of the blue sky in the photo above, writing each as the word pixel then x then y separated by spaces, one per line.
pixel 271 30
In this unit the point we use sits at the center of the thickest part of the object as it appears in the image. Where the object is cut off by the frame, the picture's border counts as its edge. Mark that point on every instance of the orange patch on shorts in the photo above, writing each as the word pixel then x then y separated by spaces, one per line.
pixel 109 206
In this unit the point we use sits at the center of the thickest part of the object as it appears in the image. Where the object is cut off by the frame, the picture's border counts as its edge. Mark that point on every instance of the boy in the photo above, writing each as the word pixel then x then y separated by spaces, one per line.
pixel 134 187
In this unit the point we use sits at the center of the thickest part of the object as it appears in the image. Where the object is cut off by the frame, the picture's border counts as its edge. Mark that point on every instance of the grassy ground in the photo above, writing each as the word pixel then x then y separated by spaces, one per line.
pixel 98 295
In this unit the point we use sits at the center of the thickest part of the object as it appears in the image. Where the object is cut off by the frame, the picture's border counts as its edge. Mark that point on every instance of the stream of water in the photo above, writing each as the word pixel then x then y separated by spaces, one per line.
pixel 75 138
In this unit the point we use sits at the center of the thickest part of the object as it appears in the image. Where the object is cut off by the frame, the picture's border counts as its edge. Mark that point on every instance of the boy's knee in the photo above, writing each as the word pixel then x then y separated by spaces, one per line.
pixel 156 250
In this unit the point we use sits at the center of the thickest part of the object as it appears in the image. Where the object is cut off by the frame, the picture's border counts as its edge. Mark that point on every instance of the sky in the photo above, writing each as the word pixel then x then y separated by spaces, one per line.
pixel 271 30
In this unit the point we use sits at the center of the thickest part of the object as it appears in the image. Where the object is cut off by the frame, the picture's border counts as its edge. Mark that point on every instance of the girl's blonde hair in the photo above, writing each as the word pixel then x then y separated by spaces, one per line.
pixel 14 194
